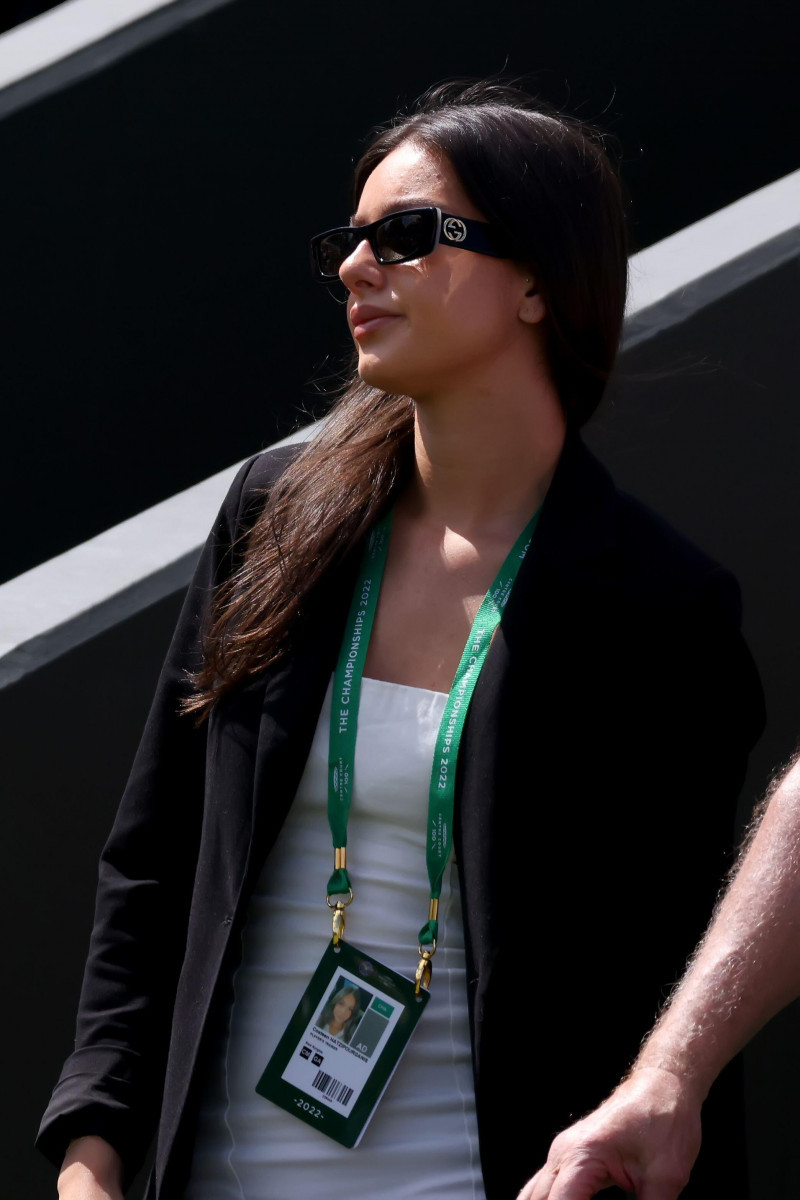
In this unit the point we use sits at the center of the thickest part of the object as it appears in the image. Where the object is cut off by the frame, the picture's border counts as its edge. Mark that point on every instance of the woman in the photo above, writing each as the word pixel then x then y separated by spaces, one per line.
pixel 590 810
pixel 341 1014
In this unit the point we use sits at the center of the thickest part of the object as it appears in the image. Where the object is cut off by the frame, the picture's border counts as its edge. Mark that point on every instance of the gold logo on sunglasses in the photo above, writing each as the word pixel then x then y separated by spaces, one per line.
pixel 454 230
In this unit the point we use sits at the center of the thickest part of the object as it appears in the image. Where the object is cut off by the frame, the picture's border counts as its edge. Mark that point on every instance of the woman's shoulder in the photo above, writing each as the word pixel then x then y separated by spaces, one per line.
pixel 262 470
pixel 663 557
pixel 660 574
pixel 251 484
pixel 639 548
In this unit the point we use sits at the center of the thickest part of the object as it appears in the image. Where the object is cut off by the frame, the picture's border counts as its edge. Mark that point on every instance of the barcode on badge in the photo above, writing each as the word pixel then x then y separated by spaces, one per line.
pixel 332 1088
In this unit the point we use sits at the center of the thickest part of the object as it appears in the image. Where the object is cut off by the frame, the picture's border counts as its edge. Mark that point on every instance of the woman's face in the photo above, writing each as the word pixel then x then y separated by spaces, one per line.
pixel 343 1010
pixel 438 321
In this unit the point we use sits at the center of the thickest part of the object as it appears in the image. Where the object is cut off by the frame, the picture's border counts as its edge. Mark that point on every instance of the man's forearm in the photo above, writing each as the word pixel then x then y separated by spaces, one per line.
pixel 748 965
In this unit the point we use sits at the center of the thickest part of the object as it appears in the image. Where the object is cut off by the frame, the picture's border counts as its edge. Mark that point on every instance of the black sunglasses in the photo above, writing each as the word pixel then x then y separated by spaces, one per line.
pixel 401 236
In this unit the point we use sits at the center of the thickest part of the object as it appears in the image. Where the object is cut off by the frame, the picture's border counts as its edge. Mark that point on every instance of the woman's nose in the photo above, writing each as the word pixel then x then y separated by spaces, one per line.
pixel 361 268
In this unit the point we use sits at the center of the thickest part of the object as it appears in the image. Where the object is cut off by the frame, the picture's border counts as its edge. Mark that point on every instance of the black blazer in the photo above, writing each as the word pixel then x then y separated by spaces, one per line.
pixel 601 760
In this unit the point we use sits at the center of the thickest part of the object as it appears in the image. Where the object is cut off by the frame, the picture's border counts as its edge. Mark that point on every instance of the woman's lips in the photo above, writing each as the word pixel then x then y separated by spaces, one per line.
pixel 368 325
pixel 366 319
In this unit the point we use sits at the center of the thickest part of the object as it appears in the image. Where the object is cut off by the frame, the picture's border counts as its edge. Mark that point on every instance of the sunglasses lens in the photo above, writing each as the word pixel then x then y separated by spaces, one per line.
pixel 405 235
pixel 331 251
pixel 397 238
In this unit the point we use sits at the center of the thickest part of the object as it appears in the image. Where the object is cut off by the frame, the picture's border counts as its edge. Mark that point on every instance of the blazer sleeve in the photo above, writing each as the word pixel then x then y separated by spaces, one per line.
pixel 111 1084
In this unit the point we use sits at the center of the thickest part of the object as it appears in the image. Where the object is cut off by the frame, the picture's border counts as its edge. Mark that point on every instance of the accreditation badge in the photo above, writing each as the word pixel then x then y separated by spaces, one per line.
pixel 343 1043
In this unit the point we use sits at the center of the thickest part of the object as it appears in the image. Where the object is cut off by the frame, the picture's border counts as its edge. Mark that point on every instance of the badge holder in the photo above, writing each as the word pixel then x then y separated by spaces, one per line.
pixel 333 1082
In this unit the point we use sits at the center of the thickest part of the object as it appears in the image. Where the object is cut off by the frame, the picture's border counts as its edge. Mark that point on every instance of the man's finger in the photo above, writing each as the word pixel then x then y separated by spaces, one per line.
pixel 538 1188
pixel 580 1181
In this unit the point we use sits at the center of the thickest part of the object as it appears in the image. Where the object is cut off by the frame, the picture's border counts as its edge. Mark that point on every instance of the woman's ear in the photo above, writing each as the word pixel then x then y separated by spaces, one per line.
pixel 531 308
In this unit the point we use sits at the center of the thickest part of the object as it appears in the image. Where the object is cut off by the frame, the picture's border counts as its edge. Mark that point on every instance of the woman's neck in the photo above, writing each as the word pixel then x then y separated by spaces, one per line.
pixel 483 463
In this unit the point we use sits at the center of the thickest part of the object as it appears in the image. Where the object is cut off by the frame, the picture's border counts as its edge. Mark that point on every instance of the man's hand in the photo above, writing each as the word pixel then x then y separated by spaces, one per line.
pixel 644 1138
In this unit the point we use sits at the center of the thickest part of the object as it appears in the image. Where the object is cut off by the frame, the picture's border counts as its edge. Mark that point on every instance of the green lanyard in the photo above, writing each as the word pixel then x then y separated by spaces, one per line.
pixel 344 724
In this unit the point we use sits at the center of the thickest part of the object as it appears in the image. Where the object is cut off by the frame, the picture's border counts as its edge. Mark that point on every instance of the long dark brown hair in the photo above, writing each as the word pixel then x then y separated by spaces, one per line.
pixel 546 182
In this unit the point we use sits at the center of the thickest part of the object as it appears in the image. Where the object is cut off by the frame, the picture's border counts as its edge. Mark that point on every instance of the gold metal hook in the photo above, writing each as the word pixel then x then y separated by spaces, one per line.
pixel 422 978
pixel 338 915
pixel 338 923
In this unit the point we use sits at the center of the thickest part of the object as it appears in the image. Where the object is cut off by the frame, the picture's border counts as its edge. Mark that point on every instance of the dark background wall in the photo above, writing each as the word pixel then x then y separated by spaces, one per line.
pixel 17 11
pixel 158 319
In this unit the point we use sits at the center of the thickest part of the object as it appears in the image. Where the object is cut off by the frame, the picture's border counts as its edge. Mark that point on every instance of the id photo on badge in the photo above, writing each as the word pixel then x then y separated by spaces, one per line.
pixel 343 1009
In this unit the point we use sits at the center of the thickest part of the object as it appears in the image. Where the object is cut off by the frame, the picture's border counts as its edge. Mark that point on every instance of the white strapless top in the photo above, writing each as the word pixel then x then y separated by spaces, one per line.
pixel 423 1140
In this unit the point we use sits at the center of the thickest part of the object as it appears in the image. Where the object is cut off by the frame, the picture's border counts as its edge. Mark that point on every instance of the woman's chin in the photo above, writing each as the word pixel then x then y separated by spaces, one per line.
pixel 380 375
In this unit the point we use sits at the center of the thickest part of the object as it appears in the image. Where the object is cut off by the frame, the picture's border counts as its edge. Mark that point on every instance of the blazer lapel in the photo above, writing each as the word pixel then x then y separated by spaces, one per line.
pixel 258 744
pixel 576 526
pixel 292 699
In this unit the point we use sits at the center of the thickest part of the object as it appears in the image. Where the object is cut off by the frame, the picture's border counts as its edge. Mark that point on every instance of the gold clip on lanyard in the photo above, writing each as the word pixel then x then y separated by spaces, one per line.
pixel 344 724
pixel 422 977
pixel 340 864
